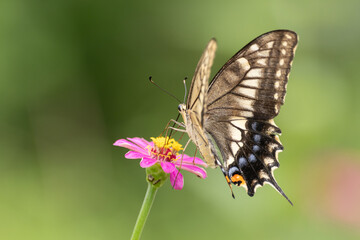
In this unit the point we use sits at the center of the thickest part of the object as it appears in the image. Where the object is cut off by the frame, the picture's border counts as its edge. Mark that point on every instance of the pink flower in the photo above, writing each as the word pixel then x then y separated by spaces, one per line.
pixel 165 152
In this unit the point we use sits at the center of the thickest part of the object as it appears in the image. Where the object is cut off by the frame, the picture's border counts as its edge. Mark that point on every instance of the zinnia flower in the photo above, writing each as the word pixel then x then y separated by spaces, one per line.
pixel 164 152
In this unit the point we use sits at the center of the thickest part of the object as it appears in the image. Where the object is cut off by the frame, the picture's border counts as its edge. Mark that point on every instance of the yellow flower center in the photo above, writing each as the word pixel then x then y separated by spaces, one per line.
pixel 162 142
pixel 165 148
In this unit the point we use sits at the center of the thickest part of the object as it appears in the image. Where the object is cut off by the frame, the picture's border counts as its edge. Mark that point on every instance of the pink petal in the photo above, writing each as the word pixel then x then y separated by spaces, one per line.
pixel 139 141
pixel 192 160
pixel 193 169
pixel 134 155
pixel 147 162
pixel 130 145
pixel 168 167
pixel 177 180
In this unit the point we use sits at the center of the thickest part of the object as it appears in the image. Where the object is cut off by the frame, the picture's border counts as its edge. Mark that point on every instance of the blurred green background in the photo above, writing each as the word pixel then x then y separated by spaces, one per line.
pixel 74 78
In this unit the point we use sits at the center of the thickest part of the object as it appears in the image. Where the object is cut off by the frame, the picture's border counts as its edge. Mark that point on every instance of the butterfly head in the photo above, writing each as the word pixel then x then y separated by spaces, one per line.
pixel 183 112
pixel 182 107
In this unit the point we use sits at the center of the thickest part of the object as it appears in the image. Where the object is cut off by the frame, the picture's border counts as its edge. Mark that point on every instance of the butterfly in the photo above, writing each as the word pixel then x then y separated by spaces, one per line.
pixel 230 120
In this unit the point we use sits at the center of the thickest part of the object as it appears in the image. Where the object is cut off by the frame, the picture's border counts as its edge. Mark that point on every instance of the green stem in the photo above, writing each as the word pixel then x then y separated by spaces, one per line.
pixel 144 211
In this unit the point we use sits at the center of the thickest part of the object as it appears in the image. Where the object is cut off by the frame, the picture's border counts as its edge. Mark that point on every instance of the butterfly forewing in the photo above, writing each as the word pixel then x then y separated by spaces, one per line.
pixel 199 84
pixel 196 107
pixel 254 79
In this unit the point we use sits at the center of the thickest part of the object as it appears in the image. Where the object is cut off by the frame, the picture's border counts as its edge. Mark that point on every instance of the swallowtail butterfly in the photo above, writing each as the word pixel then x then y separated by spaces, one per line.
pixel 231 120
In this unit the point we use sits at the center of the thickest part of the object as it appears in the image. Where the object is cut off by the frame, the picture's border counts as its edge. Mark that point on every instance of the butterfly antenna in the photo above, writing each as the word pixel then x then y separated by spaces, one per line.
pixel 185 88
pixel 150 79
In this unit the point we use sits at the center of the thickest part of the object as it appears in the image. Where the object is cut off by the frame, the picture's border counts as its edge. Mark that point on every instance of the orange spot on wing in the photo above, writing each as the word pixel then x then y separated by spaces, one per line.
pixel 237 178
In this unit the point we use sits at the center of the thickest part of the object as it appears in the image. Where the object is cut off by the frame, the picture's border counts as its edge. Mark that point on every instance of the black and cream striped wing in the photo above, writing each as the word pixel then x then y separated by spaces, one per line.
pixel 242 100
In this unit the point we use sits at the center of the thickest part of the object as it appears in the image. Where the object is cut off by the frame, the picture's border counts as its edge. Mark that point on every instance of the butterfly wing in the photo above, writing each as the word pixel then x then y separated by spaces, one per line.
pixel 195 106
pixel 242 100
pixel 199 84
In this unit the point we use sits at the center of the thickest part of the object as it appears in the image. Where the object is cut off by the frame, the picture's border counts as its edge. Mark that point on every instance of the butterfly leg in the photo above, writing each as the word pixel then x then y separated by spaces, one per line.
pixel 166 129
pixel 182 155
pixel 176 122
pixel 195 156
pixel 177 129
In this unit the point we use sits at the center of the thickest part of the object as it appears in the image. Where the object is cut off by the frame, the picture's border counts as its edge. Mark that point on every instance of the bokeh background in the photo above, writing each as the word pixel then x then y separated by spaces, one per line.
pixel 74 78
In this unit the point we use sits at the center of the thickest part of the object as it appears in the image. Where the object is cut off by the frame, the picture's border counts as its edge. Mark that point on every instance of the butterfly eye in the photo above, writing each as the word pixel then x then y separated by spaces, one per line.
pixel 181 107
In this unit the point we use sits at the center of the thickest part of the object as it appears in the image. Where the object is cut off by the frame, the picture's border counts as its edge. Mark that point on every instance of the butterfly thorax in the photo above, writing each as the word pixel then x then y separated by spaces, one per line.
pixel 197 134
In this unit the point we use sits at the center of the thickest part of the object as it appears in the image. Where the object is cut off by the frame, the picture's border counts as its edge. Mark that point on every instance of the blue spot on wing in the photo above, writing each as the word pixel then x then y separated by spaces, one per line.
pixel 256 148
pixel 233 170
pixel 254 126
pixel 242 162
pixel 252 158
pixel 257 138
